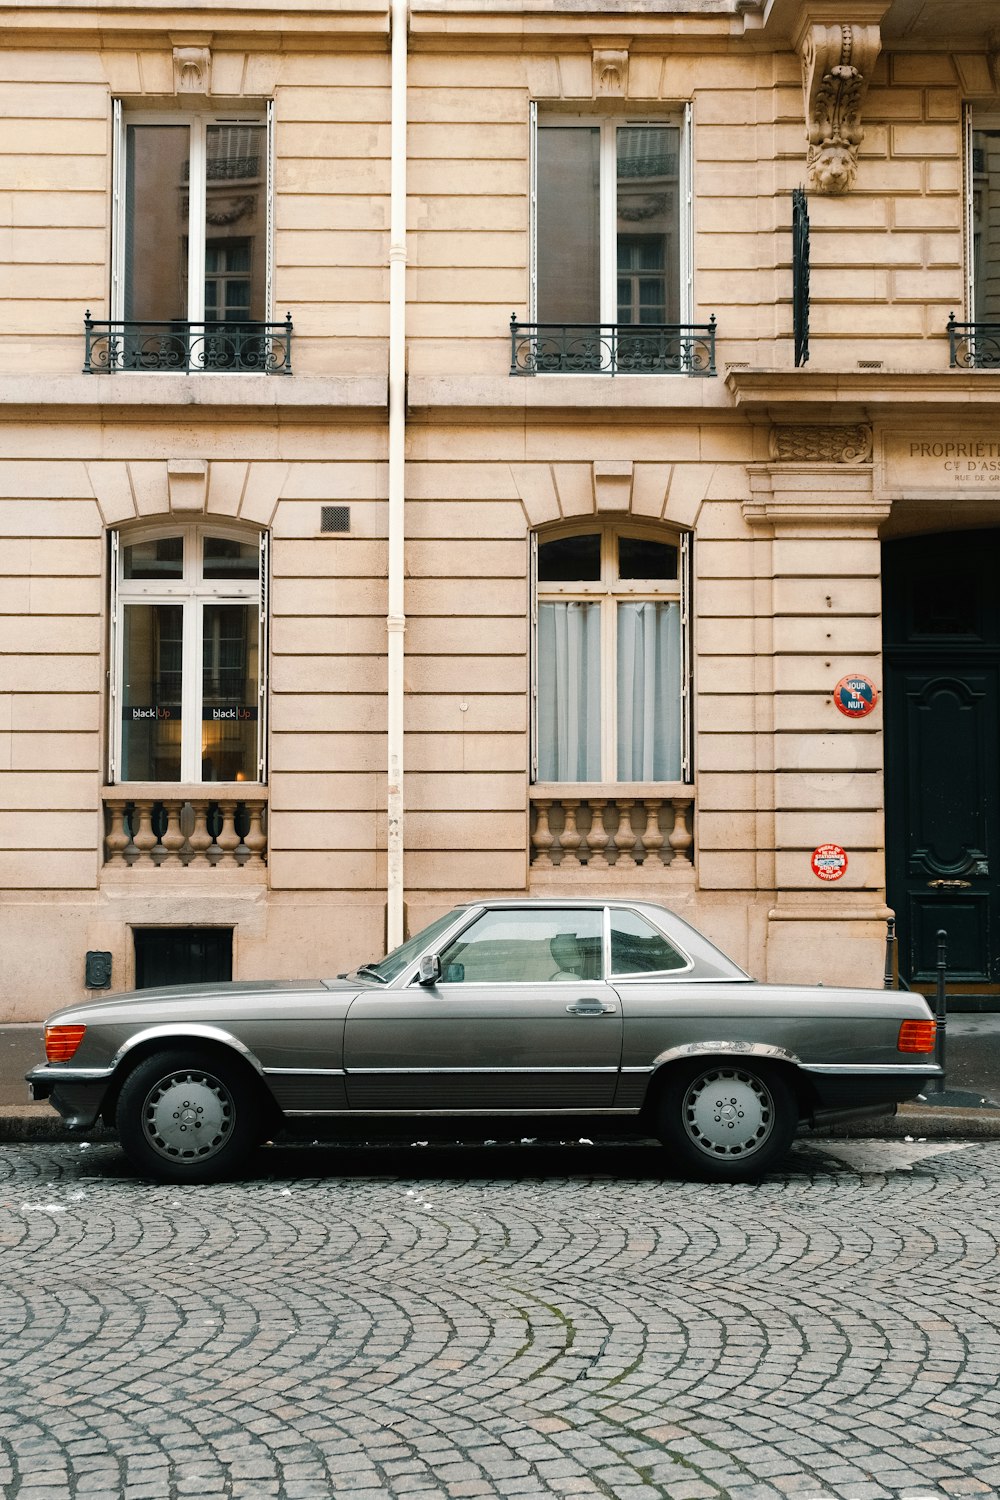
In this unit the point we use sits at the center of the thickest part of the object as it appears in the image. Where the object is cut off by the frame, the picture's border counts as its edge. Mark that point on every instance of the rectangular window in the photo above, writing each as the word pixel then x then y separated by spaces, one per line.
pixel 610 238
pixel 569 692
pixel 191 278
pixel 984 256
pixel 152 652
pixel 189 653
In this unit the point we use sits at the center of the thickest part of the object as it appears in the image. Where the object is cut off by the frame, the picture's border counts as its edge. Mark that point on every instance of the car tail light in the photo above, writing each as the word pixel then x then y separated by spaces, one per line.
pixel 61 1042
pixel 916 1036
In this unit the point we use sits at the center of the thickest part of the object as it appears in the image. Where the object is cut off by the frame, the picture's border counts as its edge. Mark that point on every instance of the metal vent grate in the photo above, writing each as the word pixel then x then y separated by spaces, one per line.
pixel 335 518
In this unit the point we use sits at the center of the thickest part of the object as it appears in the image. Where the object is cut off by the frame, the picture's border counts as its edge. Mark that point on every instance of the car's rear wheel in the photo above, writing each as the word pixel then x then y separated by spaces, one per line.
pixel 188 1116
pixel 727 1121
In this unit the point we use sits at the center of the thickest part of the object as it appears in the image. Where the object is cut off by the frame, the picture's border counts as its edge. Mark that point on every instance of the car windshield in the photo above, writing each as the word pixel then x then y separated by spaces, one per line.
pixel 395 962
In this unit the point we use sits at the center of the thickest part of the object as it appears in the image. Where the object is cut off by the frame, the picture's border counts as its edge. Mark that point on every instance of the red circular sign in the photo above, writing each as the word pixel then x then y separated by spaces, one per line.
pixel 855 696
pixel 829 862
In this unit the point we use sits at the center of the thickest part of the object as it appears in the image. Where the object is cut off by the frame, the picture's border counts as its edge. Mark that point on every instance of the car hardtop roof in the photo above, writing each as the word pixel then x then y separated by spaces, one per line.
pixel 515 901
pixel 700 948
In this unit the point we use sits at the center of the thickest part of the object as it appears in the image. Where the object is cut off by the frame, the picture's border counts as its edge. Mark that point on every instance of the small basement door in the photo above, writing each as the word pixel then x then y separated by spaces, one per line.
pixel 182 955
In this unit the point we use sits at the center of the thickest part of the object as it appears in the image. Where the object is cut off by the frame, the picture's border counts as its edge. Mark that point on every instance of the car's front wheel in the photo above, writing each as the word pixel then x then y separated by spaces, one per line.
pixel 727 1121
pixel 188 1116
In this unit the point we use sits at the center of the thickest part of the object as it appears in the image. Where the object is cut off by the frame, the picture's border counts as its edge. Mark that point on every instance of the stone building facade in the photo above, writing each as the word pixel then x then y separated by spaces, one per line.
pixel 354 566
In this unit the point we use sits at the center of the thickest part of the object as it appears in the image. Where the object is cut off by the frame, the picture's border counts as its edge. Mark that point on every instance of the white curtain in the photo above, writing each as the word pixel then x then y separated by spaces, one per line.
pixel 569 692
pixel 649 692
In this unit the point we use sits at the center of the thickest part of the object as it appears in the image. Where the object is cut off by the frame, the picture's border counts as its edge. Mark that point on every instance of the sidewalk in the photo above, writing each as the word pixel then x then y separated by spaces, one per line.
pixel 968 1108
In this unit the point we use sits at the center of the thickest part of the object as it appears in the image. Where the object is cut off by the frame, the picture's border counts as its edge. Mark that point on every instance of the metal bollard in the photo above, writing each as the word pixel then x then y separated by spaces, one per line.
pixel 941 1008
pixel 888 983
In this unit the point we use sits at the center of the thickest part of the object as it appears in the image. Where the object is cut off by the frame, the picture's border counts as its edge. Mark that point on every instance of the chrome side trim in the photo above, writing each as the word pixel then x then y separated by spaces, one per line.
pixel 175 1032
pixel 576 1111
pixel 303 1072
pixel 923 1070
pixel 679 976
pixel 730 1049
pixel 404 1072
pixel 637 1070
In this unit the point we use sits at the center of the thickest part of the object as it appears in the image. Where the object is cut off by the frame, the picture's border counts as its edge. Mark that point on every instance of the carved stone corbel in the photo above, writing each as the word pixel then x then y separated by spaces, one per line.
pixel 837 63
pixel 610 72
pixel 825 445
pixel 192 70
pixel 993 59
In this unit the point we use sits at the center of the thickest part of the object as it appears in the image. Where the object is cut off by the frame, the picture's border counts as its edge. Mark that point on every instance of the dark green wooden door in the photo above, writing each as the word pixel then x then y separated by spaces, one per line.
pixel 942 765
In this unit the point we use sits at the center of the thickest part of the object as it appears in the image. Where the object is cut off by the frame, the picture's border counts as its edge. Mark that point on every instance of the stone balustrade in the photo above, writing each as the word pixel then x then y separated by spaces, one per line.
pixel 198 827
pixel 623 828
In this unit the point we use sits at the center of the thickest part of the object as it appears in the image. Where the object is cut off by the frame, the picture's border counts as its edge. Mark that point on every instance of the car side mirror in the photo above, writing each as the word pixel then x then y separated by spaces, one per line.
pixel 430 969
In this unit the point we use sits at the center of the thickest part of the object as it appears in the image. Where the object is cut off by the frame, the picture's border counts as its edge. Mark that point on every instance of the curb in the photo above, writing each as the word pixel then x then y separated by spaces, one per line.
pixel 932 1123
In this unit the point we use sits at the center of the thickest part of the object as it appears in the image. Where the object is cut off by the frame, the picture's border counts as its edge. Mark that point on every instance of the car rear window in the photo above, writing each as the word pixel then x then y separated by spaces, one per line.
pixel 637 947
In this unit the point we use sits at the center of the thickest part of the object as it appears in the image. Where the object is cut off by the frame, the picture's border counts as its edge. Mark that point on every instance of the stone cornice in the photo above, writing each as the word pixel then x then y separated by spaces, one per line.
pixel 850 396
pixel 814 495
pixel 236 398
pixel 659 395
pixel 527 24
pixel 292 25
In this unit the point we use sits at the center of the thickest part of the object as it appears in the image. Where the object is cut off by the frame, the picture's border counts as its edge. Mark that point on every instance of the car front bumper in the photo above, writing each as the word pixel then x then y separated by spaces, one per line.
pixel 77 1094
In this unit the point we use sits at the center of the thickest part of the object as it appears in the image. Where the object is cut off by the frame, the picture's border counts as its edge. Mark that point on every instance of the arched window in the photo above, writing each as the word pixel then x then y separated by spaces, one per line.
pixel 610 656
pixel 188 654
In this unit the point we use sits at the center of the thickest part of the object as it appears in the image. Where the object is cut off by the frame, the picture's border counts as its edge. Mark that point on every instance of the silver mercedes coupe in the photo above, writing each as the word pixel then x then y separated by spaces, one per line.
pixel 613 1011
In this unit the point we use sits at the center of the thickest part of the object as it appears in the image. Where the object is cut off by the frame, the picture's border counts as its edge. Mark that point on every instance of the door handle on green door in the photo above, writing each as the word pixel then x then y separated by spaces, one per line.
pixel 949 885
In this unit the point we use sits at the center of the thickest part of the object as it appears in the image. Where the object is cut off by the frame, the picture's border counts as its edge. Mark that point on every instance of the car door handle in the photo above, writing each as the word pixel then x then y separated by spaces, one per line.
pixel 590 1008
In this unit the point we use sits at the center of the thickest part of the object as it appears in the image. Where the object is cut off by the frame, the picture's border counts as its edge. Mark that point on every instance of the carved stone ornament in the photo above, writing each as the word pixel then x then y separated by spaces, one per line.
pixel 837 62
pixel 192 70
pixel 821 445
pixel 610 73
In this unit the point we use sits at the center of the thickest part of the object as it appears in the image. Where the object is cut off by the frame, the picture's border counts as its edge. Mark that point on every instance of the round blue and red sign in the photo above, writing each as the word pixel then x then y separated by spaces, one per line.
pixel 829 862
pixel 855 696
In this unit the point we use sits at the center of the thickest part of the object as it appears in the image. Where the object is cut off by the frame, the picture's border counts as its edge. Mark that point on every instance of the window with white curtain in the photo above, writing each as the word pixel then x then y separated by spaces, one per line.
pixel 610 683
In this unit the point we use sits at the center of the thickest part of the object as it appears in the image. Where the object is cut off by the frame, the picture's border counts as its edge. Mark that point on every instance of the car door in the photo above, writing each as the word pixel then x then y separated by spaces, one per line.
pixel 521 1018
pixel 661 1007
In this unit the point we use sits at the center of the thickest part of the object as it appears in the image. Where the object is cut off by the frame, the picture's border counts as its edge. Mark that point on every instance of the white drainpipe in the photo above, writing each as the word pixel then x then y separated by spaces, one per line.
pixel 395 617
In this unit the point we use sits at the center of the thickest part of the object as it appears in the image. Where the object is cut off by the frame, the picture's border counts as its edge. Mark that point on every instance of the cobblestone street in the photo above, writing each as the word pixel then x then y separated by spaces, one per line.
pixel 501 1322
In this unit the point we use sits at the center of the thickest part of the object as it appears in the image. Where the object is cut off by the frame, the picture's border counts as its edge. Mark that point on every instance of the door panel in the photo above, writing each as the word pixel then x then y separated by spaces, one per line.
pixel 941 611
pixel 965 916
pixel 951 736
pixel 484 1046
pixel 942 778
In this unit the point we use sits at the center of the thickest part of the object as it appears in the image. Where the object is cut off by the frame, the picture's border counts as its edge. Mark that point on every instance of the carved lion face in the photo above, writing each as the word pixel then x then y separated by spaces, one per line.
pixel 832 168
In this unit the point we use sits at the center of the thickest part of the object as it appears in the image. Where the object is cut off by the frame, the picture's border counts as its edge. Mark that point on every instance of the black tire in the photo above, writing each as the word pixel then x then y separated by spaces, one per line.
pixel 727 1120
pixel 189 1116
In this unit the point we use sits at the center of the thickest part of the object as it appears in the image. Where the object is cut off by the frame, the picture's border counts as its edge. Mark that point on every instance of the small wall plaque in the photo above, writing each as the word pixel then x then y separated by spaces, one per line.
pixel 97 970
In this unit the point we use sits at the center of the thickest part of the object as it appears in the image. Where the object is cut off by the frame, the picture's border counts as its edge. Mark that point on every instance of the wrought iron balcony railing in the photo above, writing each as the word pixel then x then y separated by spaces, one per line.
pixel 974 346
pixel 251 348
pixel 612 348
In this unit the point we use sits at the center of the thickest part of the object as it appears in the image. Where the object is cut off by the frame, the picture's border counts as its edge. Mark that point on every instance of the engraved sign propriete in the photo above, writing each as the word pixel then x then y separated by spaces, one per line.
pixel 932 463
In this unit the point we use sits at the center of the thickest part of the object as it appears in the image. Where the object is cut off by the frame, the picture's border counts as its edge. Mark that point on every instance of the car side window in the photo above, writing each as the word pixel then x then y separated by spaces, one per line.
pixel 637 947
pixel 521 946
